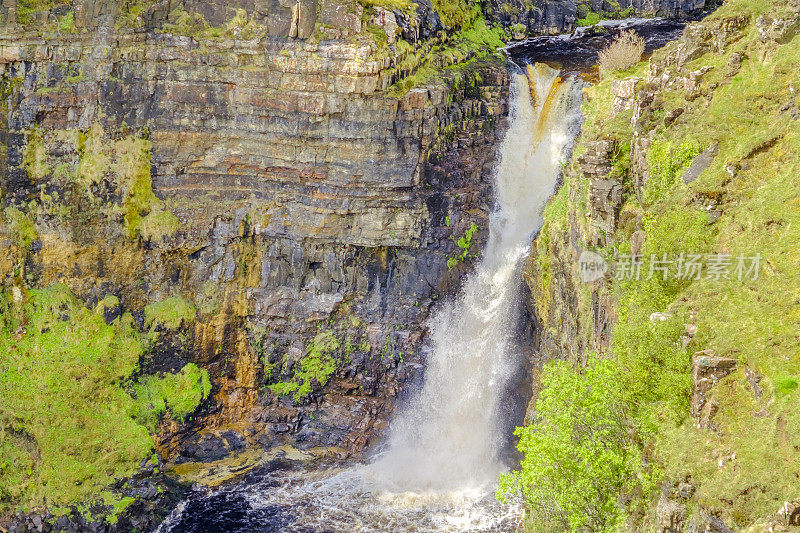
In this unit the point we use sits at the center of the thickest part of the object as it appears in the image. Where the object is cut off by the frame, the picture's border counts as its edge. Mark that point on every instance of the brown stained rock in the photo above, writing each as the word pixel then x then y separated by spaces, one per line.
pixel 707 370
pixel 670 515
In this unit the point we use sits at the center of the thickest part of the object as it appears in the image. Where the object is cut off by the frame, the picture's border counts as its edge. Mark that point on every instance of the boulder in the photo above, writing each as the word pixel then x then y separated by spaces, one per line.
pixel 707 370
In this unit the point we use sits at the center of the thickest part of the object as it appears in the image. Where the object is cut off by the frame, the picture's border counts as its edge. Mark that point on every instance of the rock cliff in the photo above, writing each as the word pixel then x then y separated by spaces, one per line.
pixel 249 183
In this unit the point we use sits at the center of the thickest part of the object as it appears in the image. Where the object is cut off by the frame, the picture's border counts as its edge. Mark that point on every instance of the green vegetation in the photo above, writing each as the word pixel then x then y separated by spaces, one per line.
pixel 439 60
pixel 398 5
pixel 66 23
pixel 23 231
pixel 34 158
pixel 464 243
pixel 193 24
pixel 64 428
pixel 27 9
pixel 745 203
pixel 590 19
pixel 580 452
pixel 132 13
pixel 315 368
pixel 666 164
pixel 180 394
pixel 171 313
pixel 68 428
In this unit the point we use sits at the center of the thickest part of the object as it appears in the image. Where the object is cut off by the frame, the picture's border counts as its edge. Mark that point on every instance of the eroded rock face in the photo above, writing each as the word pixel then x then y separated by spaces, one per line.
pixel 293 198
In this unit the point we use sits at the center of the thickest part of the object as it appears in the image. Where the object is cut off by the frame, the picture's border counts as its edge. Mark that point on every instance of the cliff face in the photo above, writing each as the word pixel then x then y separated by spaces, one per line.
pixel 263 207
pixel 683 168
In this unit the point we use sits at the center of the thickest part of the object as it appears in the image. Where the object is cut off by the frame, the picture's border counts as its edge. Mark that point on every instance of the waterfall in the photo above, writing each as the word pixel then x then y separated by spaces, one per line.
pixel 442 459
pixel 450 433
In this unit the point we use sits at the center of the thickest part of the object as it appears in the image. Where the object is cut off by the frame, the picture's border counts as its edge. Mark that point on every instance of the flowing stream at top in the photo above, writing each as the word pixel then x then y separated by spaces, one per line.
pixel 442 459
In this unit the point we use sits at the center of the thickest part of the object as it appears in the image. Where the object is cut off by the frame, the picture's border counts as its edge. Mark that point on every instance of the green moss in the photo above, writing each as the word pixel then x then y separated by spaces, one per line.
pixel 23 231
pixel 314 369
pixel 159 223
pixel 209 298
pixel 27 9
pixel 590 19
pixel 405 6
pixel 179 394
pixel 193 24
pixel 64 428
pixel 171 313
pixel 34 158
pixel 66 23
pixel 132 13
pixel 378 35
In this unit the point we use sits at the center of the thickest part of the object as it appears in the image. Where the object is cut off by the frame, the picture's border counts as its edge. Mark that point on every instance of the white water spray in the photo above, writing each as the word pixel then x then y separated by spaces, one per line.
pixel 450 434
pixel 442 461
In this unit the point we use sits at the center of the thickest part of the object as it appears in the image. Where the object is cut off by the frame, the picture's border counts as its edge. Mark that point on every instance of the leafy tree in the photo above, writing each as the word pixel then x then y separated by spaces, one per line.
pixel 579 454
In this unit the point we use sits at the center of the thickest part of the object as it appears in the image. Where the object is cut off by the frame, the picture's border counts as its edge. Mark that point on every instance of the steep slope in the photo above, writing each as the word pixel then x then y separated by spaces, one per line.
pixel 682 384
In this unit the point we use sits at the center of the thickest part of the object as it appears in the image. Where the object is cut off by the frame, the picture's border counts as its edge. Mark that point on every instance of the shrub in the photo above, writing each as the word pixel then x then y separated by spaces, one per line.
pixel 578 454
pixel 623 53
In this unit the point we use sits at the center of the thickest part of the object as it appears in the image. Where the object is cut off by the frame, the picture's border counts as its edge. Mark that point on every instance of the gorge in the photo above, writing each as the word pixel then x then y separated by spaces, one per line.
pixel 263 267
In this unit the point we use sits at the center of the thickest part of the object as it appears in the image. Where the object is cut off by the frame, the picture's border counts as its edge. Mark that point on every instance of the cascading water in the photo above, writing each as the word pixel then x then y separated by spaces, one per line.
pixel 449 435
pixel 442 458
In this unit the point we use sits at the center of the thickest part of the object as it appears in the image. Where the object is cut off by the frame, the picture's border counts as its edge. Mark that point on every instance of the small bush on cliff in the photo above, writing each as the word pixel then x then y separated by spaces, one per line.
pixel 623 53
pixel 464 243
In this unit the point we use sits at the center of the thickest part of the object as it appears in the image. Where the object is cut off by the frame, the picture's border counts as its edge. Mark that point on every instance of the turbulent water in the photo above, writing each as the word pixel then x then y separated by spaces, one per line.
pixel 442 458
